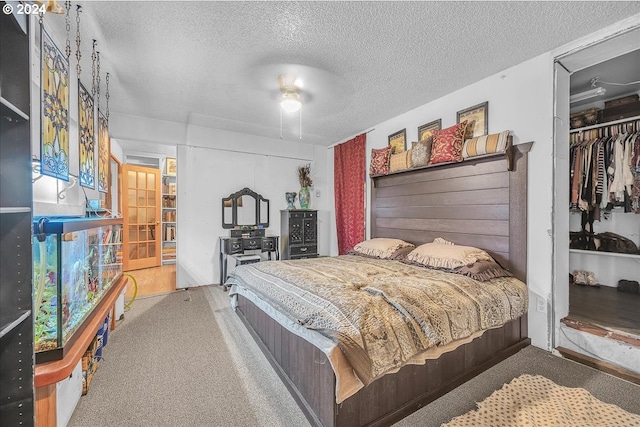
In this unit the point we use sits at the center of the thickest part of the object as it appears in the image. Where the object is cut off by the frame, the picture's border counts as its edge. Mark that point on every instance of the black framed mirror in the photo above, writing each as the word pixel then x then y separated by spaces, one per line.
pixel 245 208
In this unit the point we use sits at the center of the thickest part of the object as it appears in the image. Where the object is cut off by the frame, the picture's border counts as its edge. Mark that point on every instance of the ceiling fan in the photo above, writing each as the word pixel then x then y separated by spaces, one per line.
pixel 290 99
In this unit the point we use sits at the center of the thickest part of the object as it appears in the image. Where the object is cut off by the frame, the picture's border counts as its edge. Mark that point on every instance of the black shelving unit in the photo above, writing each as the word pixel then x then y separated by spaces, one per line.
pixel 16 320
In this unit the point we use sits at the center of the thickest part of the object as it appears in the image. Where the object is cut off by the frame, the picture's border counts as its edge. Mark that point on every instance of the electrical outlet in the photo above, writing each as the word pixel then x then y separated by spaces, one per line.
pixel 317 193
pixel 542 305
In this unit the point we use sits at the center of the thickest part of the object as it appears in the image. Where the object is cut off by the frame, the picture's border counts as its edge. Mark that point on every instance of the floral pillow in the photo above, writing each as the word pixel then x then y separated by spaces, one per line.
pixel 447 144
pixel 380 161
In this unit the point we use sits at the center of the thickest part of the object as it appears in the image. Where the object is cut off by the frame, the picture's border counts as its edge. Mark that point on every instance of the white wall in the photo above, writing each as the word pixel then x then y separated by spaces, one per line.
pixel 215 163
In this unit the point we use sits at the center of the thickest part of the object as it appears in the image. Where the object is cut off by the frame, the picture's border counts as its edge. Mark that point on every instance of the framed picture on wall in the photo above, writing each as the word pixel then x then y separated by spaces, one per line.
pixel 398 141
pixel 171 166
pixel 426 130
pixel 480 115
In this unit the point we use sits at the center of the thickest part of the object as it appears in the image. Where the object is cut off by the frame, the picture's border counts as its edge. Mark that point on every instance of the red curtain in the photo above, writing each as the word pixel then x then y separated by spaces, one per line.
pixel 349 174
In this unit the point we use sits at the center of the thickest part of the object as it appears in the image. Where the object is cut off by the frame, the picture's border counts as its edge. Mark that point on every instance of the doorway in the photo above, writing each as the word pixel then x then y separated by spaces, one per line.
pixel 141 213
pixel 595 313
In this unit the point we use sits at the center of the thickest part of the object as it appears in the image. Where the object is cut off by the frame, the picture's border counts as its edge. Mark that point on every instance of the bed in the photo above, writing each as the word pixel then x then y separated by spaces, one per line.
pixel 480 202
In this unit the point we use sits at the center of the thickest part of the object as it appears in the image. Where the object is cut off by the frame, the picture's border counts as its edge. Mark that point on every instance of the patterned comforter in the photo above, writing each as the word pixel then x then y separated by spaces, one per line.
pixel 381 313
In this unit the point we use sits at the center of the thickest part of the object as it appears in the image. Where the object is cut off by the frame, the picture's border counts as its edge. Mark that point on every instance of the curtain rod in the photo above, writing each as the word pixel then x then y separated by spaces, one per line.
pixel 347 139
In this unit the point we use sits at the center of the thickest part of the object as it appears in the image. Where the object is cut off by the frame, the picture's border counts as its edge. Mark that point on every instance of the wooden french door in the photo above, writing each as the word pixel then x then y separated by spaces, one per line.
pixel 141 213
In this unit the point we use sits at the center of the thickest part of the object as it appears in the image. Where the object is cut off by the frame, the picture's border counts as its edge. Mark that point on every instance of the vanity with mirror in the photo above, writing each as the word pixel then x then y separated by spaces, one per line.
pixel 246 214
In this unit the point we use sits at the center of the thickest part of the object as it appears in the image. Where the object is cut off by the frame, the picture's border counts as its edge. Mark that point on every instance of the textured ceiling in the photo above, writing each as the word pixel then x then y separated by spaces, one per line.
pixel 216 63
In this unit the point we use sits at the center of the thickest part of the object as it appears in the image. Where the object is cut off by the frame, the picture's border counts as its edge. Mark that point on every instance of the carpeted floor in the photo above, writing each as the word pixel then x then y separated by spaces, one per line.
pixel 185 359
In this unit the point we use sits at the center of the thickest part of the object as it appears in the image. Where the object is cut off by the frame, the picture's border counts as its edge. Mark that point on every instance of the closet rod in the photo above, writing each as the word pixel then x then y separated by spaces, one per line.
pixel 601 125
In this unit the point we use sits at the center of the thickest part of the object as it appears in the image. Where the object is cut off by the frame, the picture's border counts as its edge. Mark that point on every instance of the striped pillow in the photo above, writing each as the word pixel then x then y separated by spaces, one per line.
pixel 486 144
pixel 400 161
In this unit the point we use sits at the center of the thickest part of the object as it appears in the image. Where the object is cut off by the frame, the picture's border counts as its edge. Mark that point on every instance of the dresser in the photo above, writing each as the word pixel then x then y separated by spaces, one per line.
pixel 299 233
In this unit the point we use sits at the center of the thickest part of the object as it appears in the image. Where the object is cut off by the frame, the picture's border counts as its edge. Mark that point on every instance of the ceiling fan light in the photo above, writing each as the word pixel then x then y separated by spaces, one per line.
pixel 290 102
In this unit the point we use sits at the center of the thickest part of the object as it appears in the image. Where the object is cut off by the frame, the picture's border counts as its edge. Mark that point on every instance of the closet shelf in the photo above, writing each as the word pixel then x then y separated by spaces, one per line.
pixel 599 125
pixel 601 253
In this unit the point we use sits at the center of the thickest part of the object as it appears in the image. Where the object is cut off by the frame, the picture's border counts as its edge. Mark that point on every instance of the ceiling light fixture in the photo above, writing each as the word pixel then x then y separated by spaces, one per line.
pixel 290 102
pixel 591 93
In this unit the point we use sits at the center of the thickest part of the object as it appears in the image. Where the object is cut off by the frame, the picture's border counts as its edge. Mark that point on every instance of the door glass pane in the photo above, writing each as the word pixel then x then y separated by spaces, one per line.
pixel 142 250
pixel 133 217
pixel 151 198
pixel 131 198
pixel 151 214
pixel 152 233
pixel 151 181
pixel 142 215
pixel 142 198
pixel 151 249
pixel 142 180
pixel 142 234
pixel 131 179
pixel 133 234
pixel 133 251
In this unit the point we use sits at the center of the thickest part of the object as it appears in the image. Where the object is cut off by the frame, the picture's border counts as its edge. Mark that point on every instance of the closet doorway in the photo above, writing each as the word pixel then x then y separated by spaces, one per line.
pixel 592 317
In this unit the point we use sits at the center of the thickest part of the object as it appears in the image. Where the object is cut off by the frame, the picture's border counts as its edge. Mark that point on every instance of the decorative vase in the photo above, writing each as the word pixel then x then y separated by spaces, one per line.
pixel 304 197
pixel 291 198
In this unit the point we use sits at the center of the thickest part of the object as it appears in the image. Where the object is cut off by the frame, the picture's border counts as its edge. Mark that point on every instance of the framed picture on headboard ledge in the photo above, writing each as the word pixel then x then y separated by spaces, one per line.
pixel 398 141
pixel 426 130
pixel 480 115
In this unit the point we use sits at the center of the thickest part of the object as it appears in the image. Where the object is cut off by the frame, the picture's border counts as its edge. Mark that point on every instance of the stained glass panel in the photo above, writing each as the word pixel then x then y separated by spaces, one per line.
pixel 104 153
pixel 86 138
pixel 54 93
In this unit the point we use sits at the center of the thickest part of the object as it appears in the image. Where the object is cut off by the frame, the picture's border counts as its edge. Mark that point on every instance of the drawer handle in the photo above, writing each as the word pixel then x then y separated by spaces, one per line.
pixel 303 249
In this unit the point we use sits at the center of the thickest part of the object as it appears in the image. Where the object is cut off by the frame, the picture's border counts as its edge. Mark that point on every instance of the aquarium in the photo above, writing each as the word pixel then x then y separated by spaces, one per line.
pixel 75 263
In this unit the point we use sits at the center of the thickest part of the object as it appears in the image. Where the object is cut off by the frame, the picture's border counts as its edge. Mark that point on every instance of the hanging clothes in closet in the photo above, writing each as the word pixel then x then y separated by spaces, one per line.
pixel 605 169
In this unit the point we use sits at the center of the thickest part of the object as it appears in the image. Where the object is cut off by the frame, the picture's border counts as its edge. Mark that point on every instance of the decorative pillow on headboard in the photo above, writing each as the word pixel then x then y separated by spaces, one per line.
pixel 486 144
pixel 447 144
pixel 380 161
pixel 421 152
pixel 400 161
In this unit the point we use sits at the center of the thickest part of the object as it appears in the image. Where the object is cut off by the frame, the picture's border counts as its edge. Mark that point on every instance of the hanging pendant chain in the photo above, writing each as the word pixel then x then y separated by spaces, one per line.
pixel 78 54
pixel 93 69
pixel 106 95
pixel 67 21
pixel 98 79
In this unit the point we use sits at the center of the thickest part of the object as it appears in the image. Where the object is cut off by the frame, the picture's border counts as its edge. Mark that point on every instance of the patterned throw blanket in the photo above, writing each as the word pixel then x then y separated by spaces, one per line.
pixel 381 313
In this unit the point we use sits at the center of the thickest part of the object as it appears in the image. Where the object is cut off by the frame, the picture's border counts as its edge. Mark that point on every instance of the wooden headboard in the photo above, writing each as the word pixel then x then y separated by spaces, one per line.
pixel 478 202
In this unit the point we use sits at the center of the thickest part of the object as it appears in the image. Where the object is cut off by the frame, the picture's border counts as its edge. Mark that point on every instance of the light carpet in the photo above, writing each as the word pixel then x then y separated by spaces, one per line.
pixel 535 401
